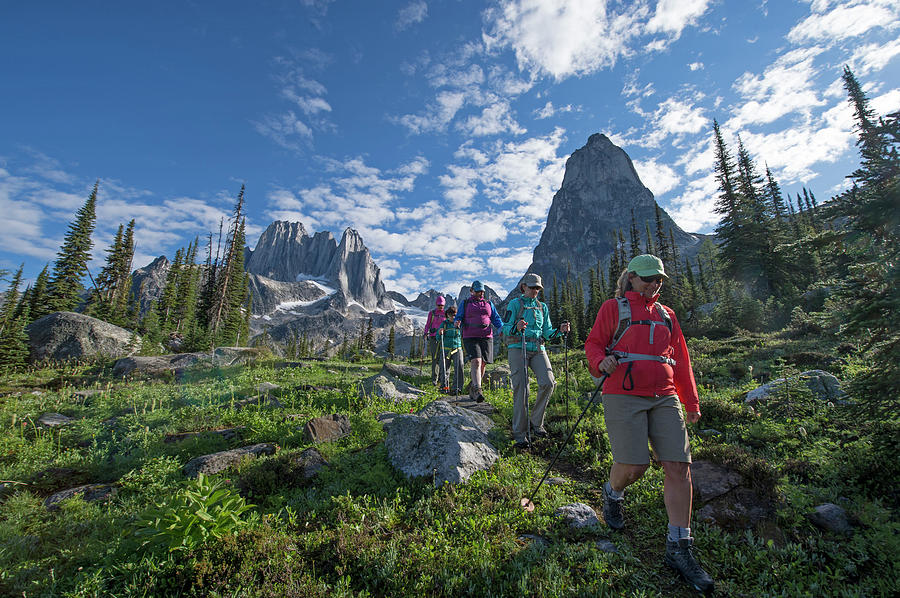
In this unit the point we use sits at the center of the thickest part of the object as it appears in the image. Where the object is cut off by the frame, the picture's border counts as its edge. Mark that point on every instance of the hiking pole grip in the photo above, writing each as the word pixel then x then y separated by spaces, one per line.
pixel 527 503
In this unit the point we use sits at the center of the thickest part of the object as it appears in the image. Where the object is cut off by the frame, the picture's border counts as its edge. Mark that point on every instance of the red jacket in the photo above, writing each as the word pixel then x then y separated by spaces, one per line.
pixel 650 378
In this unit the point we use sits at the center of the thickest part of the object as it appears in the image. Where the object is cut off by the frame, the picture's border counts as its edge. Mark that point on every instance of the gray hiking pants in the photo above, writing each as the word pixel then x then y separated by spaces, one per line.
pixel 455 382
pixel 434 351
pixel 540 365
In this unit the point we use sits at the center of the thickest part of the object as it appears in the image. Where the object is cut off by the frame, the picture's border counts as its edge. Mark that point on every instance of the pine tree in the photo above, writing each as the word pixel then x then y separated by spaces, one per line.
pixel 649 247
pixel 166 303
pixel 227 319
pixel 38 302
pixel 71 263
pixel 635 237
pixel 14 349
pixel 10 301
pixel 662 247
pixel 391 341
pixel 370 337
pixel 870 296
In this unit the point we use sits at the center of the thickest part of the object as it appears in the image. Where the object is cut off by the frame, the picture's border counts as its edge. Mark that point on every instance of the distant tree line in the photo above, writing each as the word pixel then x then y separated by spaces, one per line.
pixel 201 305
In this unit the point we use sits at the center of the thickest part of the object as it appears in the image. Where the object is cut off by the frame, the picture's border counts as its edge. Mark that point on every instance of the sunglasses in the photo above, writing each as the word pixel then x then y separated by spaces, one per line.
pixel 649 279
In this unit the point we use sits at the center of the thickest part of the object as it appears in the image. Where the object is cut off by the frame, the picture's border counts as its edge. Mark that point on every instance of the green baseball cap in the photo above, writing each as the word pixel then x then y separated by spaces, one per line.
pixel 646 265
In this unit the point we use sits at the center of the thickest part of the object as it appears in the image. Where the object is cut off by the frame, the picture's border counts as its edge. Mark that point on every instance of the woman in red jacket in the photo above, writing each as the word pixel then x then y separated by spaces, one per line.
pixel 638 343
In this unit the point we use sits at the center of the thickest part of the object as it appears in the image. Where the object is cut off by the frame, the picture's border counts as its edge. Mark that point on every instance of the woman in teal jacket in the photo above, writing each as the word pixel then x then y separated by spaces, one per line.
pixel 527 315
pixel 451 337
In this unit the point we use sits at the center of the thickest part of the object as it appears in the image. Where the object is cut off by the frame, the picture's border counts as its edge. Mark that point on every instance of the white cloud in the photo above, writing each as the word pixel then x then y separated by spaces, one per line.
pixel 412 13
pixel 659 178
pixel 692 210
pixel 526 174
pixel 493 120
pixel 847 20
pixel 513 265
pixel 874 57
pixel 549 110
pixel 673 117
pixel 672 16
pixel 696 66
pixel 785 87
pixel 562 37
pixel 437 115
pixel 286 130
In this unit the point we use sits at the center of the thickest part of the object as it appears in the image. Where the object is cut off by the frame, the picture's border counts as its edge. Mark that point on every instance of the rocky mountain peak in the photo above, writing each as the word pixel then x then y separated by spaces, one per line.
pixel 600 189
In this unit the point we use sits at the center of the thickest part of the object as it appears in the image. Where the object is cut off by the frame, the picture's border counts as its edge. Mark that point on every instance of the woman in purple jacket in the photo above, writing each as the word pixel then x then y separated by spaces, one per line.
pixel 475 316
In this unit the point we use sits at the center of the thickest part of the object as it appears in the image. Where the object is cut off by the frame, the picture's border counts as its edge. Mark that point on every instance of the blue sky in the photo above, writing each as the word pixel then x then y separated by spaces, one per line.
pixel 437 128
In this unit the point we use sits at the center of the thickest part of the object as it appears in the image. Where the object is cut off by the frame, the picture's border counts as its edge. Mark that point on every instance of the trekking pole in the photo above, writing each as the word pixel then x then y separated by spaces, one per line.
pixel 443 368
pixel 525 388
pixel 566 345
pixel 526 503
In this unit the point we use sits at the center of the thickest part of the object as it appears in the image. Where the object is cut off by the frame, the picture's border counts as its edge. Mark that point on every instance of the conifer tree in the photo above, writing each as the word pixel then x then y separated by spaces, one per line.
pixel 72 259
pixel 37 301
pixel 227 319
pixel 10 301
pixel 635 237
pixel 870 295
pixel 391 347
pixel 166 303
pixel 14 349
pixel 649 247
pixel 662 247
pixel 370 337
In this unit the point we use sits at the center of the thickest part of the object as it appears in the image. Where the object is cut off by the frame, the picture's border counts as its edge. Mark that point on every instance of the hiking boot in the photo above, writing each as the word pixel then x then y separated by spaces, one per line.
pixel 539 432
pixel 680 556
pixel 613 511
pixel 521 444
pixel 479 398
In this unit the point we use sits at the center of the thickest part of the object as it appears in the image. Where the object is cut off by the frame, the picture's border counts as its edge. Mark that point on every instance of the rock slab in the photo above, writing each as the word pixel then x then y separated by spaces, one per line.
pixel 326 429
pixel 88 493
pixel 444 442
pixel 66 335
pixel 824 386
pixel 388 387
pixel 216 462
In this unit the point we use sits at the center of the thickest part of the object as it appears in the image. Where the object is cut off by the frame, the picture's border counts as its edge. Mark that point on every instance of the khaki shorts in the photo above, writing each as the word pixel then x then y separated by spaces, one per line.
pixel 632 420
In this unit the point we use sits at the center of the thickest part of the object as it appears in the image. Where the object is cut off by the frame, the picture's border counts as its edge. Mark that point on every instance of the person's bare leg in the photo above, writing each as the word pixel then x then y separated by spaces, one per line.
pixel 678 492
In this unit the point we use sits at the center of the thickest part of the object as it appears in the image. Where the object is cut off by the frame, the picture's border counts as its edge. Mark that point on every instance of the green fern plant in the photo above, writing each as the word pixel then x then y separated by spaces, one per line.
pixel 203 510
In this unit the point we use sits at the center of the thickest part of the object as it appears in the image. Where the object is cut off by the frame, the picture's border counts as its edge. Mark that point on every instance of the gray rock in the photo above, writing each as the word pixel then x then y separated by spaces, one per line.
pixel 577 515
pixel 326 429
pixel 158 365
pixel 54 420
pixel 87 393
pixel 227 434
pixel 499 377
pixel 711 480
pixel 388 387
pixel 444 442
pixel 607 546
pixel 386 417
pixel 260 401
pixel 823 385
pixel 556 481
pixel 229 356
pixel 741 508
pixel 710 433
pixel 311 463
pixel 216 462
pixel 88 493
pixel 266 388
pixel 400 371
pixel 65 335
pixel 831 517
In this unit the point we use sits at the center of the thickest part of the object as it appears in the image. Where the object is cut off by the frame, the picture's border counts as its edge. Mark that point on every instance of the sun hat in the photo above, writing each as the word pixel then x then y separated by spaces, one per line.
pixel 477 286
pixel 647 265
pixel 532 280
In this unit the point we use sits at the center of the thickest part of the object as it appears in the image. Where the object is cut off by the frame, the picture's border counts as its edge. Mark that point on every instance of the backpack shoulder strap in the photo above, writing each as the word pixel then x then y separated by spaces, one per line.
pixel 665 316
pixel 624 320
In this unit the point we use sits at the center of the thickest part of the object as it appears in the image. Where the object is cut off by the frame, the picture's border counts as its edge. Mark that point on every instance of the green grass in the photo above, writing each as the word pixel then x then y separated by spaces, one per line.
pixel 362 529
